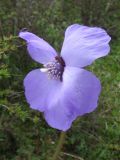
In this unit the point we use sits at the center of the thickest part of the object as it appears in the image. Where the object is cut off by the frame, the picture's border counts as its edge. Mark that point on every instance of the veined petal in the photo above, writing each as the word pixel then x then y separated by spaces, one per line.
pixel 81 90
pixel 77 96
pixel 59 116
pixel 38 49
pixel 39 90
pixel 82 45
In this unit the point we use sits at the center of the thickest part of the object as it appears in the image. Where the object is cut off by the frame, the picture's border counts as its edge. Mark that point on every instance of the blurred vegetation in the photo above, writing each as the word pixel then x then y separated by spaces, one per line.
pixel 24 134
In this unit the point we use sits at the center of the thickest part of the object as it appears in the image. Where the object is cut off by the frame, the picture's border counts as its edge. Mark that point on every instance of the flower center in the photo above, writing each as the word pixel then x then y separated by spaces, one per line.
pixel 55 68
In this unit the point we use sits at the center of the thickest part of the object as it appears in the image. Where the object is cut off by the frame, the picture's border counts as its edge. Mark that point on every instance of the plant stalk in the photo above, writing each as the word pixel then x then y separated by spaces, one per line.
pixel 59 146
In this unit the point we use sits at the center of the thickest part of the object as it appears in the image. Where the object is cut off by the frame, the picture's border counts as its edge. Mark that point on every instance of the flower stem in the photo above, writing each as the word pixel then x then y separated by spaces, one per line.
pixel 59 146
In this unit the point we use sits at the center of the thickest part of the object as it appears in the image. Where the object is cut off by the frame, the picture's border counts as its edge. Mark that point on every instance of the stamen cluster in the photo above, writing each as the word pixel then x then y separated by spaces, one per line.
pixel 55 69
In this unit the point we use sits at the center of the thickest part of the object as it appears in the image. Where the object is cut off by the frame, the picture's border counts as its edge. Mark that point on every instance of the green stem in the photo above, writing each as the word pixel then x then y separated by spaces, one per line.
pixel 59 146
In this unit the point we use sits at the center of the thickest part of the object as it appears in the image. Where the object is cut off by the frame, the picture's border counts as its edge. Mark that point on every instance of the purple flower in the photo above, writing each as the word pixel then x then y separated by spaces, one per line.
pixel 62 89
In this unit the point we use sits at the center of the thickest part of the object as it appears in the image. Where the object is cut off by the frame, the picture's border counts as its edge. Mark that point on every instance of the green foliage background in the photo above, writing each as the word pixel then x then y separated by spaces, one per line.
pixel 24 134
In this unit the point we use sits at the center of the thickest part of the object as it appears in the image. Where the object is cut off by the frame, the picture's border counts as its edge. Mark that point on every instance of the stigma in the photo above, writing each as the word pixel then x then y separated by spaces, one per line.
pixel 54 69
